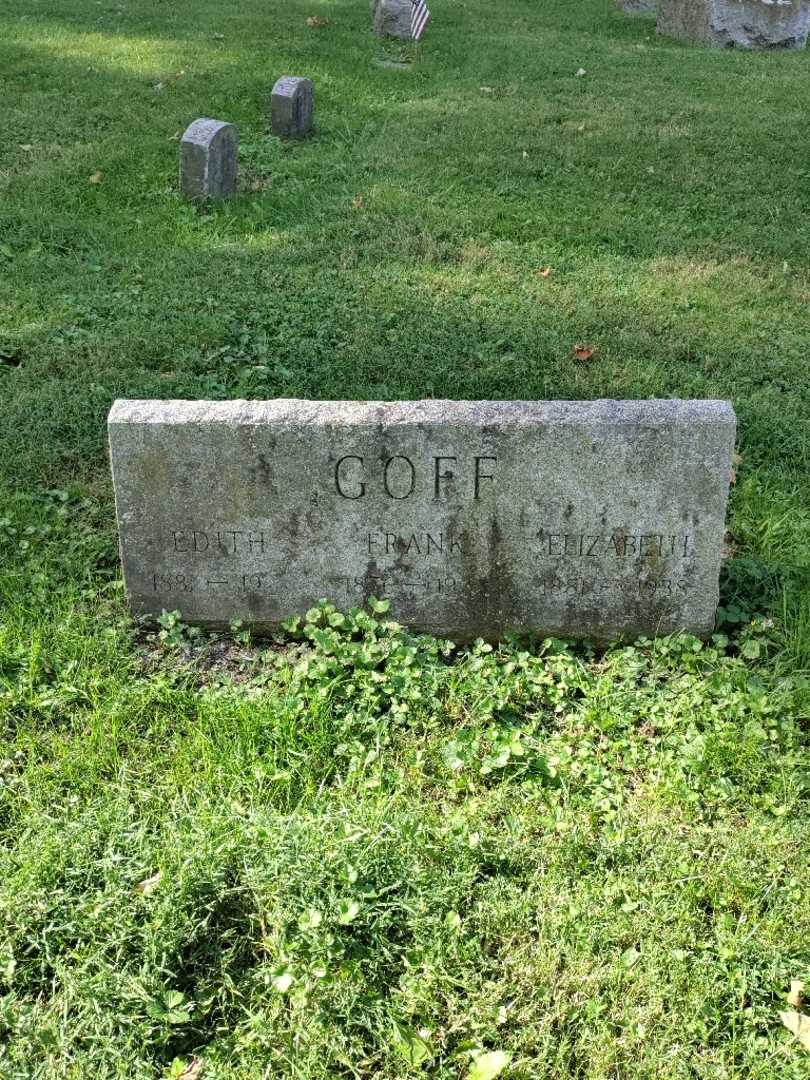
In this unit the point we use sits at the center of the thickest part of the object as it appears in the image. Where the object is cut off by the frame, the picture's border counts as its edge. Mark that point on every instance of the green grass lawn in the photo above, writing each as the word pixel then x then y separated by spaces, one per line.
pixel 356 854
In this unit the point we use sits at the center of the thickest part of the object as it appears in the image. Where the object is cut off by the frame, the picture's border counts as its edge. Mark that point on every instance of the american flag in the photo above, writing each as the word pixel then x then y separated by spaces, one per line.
pixel 419 18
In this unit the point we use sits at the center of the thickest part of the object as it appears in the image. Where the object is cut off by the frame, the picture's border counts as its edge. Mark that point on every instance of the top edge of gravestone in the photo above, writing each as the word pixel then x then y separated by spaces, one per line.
pixel 204 128
pixel 302 411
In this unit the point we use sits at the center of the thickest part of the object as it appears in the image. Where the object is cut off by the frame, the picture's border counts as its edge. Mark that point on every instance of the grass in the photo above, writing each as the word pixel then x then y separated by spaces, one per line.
pixel 355 853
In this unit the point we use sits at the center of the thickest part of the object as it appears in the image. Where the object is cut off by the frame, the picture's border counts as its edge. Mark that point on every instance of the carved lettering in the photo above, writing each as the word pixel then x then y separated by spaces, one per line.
pixel 220 542
pixel 413 543
pixel 386 484
pixel 582 586
pixel 227 542
pixel 424 544
pixel 479 476
pixel 433 543
pixel 398 476
pixel 252 582
pixel 362 487
pixel 383 584
pixel 439 476
pixel 619 545
pixel 163 583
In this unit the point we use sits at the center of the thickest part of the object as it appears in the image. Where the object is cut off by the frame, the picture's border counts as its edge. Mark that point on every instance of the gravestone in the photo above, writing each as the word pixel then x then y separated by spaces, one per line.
pixel 292 103
pixel 209 160
pixel 581 519
pixel 747 24
pixel 392 18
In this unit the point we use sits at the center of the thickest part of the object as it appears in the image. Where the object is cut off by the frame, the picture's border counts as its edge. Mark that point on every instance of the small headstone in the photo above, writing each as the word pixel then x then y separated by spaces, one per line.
pixel 292 104
pixel 209 160
pixel 392 18
pixel 746 24
pixel 592 519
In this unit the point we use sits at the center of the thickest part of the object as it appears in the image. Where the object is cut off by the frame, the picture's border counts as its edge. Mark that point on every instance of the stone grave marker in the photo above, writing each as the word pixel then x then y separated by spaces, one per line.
pixel 747 24
pixel 292 104
pixel 595 519
pixel 209 160
pixel 392 18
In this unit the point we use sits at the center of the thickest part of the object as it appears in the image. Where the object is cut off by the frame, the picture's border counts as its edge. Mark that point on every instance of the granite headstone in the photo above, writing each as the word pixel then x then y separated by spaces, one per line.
pixel 209 160
pixel 392 18
pixel 292 104
pixel 746 24
pixel 595 519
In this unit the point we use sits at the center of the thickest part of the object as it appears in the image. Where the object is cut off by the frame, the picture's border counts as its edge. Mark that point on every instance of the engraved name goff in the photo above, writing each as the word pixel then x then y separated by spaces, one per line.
pixel 396 476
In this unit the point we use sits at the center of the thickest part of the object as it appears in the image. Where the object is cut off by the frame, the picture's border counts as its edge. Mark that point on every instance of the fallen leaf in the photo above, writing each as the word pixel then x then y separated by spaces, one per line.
pixel 544 271
pixel 583 352
pixel 487 89
pixel 148 885
pixel 318 22
pixel 796 994
pixel 96 178
pixel 260 183
pixel 580 72
pixel 488 1066
pixel 525 156
pixel 357 203
pixel 799 1025
pixel 27 147
pixel 219 37
pixel 581 127
pixel 192 1070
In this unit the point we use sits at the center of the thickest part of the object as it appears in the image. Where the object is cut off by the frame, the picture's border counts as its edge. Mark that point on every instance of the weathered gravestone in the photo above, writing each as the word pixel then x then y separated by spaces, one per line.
pixel 747 24
pixel 292 104
pixel 209 160
pixel 392 18
pixel 581 519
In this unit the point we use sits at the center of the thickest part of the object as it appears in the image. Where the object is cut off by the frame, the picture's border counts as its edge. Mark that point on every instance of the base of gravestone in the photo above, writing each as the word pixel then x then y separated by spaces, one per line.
pixel 744 24
pixel 391 64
